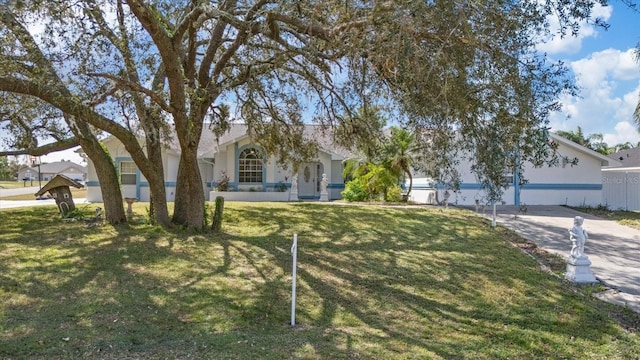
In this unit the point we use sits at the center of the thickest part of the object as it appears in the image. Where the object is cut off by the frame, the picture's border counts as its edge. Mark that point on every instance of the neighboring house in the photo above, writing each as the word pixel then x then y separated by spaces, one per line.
pixel 621 183
pixel 50 170
pixel 250 171
pixel 255 176
pixel 565 184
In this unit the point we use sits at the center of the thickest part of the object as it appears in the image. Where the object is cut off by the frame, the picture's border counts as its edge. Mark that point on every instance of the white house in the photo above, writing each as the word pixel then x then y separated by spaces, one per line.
pixel 252 175
pixel 621 183
pixel 565 184
pixel 49 170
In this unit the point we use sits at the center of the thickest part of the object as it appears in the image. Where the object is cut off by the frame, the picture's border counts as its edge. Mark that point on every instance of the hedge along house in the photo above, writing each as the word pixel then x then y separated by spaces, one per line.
pixel 253 175
pixel 565 184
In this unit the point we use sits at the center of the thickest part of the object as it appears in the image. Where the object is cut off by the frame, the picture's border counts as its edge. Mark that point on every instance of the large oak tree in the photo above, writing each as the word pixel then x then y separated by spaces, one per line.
pixel 457 73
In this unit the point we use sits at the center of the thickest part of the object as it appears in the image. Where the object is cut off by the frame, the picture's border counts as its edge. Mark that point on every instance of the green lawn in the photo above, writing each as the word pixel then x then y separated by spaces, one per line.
pixel 373 283
pixel 76 193
pixel 628 218
pixel 13 184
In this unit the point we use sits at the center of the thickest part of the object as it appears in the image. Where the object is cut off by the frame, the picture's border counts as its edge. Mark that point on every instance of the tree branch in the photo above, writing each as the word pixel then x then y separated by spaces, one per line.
pixel 45 149
pixel 136 87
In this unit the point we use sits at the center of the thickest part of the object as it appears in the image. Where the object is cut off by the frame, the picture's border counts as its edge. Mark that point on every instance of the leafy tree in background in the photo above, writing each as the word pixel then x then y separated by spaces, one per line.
pixel 451 72
pixel 5 169
pixel 592 141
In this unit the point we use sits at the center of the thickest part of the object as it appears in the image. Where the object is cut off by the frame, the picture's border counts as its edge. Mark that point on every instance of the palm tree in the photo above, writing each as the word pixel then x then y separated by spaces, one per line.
pixel 592 141
pixel 399 153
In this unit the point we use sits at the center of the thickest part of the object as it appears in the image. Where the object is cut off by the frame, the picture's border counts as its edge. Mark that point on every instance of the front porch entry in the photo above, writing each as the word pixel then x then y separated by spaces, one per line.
pixel 309 178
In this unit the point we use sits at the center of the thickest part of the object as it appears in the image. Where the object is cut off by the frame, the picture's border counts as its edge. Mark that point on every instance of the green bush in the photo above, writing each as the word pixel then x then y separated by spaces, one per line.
pixel 355 190
pixel 394 194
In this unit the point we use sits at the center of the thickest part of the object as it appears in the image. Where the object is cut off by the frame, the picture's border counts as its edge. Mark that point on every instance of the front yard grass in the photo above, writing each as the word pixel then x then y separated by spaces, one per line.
pixel 627 218
pixel 373 283
pixel 5 184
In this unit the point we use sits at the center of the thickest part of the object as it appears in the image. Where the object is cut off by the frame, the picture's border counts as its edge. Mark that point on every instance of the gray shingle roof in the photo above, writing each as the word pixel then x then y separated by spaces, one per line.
pixel 58 167
pixel 628 158
pixel 324 138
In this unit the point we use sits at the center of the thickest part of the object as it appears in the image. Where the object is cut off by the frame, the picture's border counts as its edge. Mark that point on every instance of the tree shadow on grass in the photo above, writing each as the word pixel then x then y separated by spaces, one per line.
pixel 373 283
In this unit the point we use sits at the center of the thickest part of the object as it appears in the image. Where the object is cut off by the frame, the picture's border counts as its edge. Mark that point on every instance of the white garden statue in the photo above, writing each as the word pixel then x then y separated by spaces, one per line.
pixel 293 193
pixel 578 237
pixel 324 195
pixel 578 264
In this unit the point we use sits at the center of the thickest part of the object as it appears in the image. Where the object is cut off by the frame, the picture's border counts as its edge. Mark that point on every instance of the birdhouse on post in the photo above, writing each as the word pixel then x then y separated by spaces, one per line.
pixel 60 189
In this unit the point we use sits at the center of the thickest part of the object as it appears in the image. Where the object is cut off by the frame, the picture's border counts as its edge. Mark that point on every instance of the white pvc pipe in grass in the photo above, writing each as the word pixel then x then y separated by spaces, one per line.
pixel 294 252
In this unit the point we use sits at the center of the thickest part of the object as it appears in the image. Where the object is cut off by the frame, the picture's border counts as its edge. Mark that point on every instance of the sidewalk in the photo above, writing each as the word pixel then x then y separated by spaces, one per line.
pixel 614 250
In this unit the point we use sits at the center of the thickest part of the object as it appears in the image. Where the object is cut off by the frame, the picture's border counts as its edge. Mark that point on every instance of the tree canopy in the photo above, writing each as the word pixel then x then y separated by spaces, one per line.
pixel 455 73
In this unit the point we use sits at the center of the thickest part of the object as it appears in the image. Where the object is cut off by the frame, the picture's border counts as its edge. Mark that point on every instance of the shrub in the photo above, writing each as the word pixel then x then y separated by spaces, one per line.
pixel 355 190
pixel 223 183
pixel 394 194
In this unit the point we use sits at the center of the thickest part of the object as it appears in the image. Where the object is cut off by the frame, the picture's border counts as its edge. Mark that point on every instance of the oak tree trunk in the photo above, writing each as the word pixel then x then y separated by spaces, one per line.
pixel 158 192
pixel 108 179
pixel 189 203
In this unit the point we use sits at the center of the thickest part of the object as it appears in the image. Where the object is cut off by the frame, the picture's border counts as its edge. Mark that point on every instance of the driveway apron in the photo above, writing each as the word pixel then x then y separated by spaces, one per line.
pixel 614 249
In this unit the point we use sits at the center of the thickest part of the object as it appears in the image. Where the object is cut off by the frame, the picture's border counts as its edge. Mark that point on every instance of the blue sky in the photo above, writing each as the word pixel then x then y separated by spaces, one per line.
pixel 605 67
pixel 608 74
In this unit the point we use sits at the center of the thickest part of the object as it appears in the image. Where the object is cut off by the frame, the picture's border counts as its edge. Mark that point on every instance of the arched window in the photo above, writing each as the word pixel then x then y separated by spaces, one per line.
pixel 250 166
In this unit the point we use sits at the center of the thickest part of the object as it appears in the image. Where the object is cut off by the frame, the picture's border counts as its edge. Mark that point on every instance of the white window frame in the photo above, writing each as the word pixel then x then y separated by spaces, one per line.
pixel 128 173
pixel 250 166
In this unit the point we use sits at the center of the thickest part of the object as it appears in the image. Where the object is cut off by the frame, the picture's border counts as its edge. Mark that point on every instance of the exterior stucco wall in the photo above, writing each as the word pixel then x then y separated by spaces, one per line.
pixel 141 189
pixel 565 184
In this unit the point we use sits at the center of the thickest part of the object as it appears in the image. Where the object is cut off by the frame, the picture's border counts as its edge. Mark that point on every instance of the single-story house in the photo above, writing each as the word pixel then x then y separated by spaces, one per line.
pixel 253 175
pixel 565 184
pixel 49 170
pixel 621 183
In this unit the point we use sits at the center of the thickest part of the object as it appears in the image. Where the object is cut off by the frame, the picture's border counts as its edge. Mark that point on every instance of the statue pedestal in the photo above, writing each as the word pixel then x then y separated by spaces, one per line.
pixel 324 196
pixel 130 202
pixel 579 270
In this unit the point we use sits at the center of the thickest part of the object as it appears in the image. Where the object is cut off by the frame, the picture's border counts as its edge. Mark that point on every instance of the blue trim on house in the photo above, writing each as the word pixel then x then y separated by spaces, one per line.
pixel 539 186
pixel 308 197
pixel 532 186
pixel 276 186
pixel 422 187
pixel 335 186
pixel 167 184
pixel 92 183
pixel 463 186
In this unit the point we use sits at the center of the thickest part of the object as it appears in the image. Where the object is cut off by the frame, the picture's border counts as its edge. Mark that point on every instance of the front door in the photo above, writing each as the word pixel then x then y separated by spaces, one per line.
pixel 309 177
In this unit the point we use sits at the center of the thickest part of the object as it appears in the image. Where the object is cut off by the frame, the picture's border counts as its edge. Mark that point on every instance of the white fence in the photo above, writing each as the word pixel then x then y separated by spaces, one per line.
pixel 621 190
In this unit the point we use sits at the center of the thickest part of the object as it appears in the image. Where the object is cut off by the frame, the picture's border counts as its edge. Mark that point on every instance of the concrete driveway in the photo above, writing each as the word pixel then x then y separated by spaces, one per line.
pixel 613 249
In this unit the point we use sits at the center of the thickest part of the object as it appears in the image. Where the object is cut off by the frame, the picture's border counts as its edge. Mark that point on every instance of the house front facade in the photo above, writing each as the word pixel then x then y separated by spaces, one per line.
pixel 249 172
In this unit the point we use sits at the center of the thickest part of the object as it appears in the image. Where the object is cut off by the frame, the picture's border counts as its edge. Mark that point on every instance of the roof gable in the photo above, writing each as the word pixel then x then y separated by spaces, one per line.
pixel 58 181
pixel 604 160
pixel 627 158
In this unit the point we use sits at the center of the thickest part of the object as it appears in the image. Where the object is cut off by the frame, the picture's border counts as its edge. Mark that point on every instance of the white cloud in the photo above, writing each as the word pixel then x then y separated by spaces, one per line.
pixel 602 109
pixel 606 65
pixel 568 44
pixel 624 132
